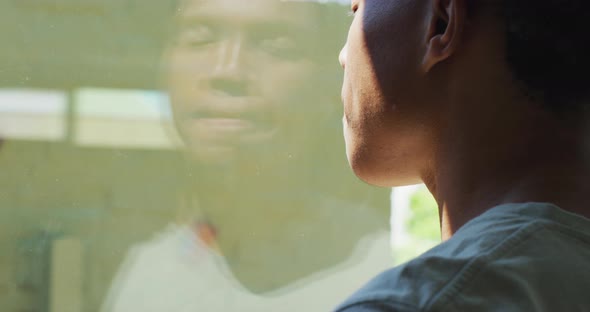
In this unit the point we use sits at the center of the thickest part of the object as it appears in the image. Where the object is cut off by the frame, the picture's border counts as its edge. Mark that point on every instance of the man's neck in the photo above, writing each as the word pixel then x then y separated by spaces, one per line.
pixel 526 157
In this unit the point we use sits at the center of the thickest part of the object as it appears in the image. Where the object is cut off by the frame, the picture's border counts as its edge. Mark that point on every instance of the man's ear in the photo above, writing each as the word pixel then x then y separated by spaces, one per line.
pixel 447 20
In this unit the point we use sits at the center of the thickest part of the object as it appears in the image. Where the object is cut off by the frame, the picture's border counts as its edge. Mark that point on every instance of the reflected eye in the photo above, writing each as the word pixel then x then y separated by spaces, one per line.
pixel 196 35
pixel 277 44
pixel 283 47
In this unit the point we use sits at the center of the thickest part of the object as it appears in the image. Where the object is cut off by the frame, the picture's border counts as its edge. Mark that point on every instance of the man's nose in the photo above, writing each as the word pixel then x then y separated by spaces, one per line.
pixel 229 74
pixel 342 56
pixel 229 56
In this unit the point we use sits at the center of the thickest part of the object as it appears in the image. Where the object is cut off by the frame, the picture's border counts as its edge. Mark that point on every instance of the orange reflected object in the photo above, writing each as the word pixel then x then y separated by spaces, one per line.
pixel 207 234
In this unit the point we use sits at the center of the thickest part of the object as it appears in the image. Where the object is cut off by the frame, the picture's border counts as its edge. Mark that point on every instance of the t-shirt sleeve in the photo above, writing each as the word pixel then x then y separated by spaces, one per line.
pixel 406 288
pixel 381 306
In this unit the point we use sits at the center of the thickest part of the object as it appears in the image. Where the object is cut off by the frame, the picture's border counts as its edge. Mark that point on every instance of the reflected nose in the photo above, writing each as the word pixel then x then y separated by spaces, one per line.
pixel 230 76
pixel 230 54
pixel 342 56
pixel 230 85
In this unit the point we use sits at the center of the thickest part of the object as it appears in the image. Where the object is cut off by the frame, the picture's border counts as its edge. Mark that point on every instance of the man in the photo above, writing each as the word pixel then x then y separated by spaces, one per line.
pixel 485 102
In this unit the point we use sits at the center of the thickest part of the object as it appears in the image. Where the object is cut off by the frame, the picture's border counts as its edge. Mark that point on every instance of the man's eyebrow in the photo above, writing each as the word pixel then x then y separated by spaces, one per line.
pixel 197 20
pixel 267 25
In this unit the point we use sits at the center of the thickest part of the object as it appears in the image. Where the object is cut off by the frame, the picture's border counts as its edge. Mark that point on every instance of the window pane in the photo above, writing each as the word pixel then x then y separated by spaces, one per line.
pixel 179 156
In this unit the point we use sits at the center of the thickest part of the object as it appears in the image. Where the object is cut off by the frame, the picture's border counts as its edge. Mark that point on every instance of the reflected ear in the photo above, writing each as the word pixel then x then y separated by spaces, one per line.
pixel 447 20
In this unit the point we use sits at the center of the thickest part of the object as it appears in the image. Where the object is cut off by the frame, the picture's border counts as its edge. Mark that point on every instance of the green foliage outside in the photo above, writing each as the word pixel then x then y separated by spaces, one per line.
pixel 422 226
pixel 423 223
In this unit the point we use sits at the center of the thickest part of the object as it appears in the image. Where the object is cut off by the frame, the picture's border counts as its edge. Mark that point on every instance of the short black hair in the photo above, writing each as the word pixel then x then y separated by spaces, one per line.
pixel 547 49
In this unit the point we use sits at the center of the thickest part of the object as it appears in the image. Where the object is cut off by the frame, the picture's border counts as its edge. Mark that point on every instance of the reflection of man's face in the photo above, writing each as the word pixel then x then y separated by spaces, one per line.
pixel 233 69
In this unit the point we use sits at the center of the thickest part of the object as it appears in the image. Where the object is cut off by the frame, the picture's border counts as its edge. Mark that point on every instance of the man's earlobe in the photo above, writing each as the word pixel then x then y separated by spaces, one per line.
pixel 447 20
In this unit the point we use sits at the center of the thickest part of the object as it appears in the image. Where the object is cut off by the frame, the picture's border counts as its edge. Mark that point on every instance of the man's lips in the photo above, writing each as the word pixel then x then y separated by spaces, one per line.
pixel 223 124
pixel 226 132
pixel 261 119
pixel 221 128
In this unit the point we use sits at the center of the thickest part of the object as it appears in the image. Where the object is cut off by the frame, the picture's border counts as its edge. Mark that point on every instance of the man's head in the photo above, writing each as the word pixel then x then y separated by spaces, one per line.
pixel 239 73
pixel 422 73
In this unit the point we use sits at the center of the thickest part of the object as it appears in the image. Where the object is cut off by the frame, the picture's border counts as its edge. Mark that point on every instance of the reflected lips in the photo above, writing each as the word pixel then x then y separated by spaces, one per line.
pixel 230 124
pixel 243 119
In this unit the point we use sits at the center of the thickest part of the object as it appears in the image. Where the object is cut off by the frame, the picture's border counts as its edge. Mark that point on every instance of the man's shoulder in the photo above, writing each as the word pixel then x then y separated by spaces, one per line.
pixel 410 286
pixel 502 258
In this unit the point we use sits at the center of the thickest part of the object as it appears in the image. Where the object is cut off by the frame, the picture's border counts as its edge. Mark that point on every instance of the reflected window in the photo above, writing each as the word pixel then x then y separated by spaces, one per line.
pixel 30 114
pixel 124 118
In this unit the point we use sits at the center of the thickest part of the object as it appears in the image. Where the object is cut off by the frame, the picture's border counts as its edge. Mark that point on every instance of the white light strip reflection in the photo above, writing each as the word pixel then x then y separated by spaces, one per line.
pixel 31 114
pixel 32 101
pixel 124 119
pixel 122 104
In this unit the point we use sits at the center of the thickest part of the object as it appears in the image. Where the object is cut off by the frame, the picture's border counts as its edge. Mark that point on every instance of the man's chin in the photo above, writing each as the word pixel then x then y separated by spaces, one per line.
pixel 212 155
pixel 216 154
pixel 380 180
pixel 372 170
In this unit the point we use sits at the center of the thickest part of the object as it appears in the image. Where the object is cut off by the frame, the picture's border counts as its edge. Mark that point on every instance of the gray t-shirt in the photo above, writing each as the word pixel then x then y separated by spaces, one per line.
pixel 514 257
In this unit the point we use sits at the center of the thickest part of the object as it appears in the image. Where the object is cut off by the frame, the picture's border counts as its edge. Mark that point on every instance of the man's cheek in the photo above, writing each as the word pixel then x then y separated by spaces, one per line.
pixel 281 80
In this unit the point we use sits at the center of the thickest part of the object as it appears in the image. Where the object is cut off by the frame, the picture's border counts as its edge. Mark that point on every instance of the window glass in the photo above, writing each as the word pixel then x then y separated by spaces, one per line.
pixel 162 155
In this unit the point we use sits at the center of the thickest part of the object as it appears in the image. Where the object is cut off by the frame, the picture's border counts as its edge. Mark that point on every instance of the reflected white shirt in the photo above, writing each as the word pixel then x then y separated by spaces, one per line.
pixel 176 272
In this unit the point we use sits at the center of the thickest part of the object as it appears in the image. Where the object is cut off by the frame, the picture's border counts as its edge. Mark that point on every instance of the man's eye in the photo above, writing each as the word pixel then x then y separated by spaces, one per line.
pixel 196 36
pixel 282 47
